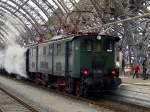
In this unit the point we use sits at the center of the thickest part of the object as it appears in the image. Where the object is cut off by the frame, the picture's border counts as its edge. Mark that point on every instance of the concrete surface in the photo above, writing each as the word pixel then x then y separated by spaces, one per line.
pixel 49 102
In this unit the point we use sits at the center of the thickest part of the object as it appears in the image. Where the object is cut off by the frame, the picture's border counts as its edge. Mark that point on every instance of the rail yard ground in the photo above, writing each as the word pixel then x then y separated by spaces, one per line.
pixel 49 101
pixel 10 103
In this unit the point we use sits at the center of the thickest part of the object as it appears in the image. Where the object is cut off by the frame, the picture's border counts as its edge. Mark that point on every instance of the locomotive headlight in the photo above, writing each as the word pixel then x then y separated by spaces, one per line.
pixel 99 37
pixel 117 64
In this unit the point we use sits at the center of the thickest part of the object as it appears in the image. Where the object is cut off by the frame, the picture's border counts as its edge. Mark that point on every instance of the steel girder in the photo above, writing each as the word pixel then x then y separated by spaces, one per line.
pixel 74 3
pixel 26 27
pixel 3 29
pixel 51 7
pixel 10 9
pixel 34 14
pixel 29 14
pixel 32 10
pixel 61 2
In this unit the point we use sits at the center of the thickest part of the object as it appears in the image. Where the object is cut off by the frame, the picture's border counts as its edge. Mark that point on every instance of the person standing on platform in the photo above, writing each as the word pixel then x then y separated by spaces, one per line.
pixel 145 66
pixel 136 71
pixel 123 66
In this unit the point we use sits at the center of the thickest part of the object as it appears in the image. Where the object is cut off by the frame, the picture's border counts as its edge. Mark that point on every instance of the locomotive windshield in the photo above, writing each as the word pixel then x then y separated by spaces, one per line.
pixel 91 45
pixel 109 46
pixel 95 45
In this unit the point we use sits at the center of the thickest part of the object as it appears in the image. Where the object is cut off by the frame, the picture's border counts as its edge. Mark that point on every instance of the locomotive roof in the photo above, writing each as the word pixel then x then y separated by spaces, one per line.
pixel 68 38
pixel 53 39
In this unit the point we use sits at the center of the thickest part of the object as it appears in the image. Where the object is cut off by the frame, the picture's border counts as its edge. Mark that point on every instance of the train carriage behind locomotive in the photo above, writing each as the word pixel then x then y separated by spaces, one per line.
pixel 83 63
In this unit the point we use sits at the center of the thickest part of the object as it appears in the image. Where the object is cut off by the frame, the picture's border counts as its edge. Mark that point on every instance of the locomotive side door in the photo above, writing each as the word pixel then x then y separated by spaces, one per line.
pixel 69 67
pixel 69 57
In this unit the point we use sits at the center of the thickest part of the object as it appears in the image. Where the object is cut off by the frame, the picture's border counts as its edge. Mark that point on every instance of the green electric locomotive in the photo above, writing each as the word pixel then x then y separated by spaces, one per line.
pixel 81 64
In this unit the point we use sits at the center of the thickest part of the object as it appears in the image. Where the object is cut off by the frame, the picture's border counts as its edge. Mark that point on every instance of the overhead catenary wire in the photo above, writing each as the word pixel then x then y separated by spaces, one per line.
pixel 128 19
pixel 121 21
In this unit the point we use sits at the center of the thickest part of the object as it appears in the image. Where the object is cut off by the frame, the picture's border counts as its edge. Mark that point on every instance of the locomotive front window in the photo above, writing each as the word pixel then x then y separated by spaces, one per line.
pixel 86 45
pixel 109 46
pixel 97 46
pixel 91 45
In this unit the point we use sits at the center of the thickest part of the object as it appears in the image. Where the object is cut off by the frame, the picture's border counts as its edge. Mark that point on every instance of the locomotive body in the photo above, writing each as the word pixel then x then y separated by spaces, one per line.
pixel 81 64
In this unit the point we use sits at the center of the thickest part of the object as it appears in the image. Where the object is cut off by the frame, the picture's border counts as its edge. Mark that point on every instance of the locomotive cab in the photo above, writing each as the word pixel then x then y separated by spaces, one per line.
pixel 94 63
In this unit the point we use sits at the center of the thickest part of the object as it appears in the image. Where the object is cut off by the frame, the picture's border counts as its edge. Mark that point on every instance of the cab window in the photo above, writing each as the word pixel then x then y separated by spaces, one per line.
pixel 97 46
pixel 86 45
pixel 109 45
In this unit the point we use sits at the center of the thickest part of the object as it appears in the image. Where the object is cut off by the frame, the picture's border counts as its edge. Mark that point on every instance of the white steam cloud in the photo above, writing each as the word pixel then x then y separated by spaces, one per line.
pixel 14 60
pixel 12 57
pixel 2 59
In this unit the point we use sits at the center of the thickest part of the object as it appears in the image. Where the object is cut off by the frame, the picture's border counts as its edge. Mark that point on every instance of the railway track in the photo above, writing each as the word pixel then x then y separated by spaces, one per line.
pixel 134 94
pixel 106 101
pixel 11 103
pixel 110 101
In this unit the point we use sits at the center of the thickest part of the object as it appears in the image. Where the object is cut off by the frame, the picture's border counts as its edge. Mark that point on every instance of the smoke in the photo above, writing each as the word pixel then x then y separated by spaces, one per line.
pixel 2 59
pixel 12 57
pixel 14 60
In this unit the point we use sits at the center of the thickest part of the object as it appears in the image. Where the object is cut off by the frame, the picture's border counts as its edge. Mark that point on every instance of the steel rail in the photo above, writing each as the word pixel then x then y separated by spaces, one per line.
pixel 105 102
pixel 32 109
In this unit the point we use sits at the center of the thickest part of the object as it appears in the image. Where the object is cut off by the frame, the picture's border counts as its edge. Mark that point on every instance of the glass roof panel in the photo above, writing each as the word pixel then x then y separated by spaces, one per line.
pixel 38 9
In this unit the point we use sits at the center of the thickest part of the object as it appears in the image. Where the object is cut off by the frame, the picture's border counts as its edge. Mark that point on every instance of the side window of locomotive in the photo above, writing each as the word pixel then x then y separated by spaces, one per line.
pixel 58 48
pixel 109 46
pixel 30 52
pixel 44 51
pixel 40 51
pixel 34 51
pixel 70 48
pixel 86 45
pixel 50 50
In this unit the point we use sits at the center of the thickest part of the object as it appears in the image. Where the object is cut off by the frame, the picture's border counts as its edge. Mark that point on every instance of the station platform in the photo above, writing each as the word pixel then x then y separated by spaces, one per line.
pixel 136 91
pixel 127 77
pixel 135 81
pixel 46 100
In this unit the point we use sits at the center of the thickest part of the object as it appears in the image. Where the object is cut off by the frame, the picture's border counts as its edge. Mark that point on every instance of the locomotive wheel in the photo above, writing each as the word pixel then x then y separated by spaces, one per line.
pixel 78 89
pixel 70 84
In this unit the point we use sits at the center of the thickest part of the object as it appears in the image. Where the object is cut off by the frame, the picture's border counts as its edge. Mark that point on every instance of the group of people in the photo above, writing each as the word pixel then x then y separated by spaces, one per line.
pixel 136 69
